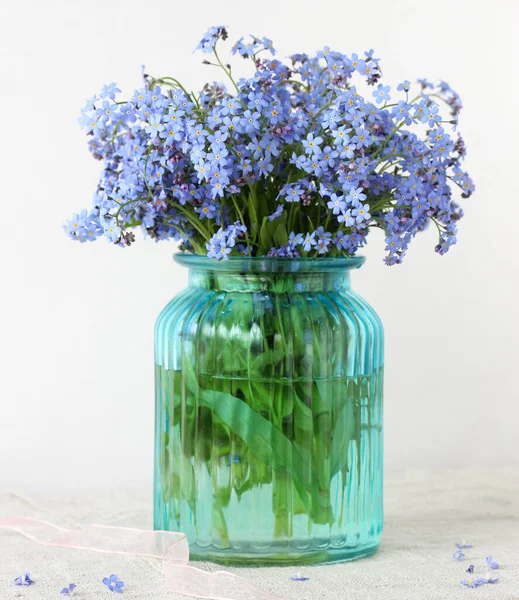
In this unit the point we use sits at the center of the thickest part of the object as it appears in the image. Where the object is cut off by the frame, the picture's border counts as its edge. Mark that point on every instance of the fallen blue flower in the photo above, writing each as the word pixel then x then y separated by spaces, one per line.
pixel 473 583
pixel 491 563
pixel 24 580
pixel 68 590
pixel 458 555
pixel 463 544
pixel 490 579
pixel 113 583
pixel 470 569
pixel 299 577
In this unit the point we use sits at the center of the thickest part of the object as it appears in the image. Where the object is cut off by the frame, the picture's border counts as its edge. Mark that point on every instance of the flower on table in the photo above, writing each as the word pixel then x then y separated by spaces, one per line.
pixel 24 580
pixel 463 544
pixel 298 577
pixel 490 579
pixel 458 555
pixel 473 583
pixel 69 589
pixel 470 569
pixel 491 563
pixel 113 583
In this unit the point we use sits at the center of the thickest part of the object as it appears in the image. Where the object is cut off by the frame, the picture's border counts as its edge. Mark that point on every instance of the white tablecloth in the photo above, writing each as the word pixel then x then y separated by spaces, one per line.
pixel 426 513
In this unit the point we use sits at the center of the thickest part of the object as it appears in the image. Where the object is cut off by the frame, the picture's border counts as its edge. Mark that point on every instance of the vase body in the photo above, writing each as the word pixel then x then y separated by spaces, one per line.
pixel 269 412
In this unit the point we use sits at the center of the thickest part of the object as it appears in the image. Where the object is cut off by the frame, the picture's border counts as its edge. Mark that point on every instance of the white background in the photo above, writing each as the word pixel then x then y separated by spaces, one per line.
pixel 76 321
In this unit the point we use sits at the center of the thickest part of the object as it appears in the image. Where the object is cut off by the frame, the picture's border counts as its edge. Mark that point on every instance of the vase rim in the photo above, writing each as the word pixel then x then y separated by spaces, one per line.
pixel 268 264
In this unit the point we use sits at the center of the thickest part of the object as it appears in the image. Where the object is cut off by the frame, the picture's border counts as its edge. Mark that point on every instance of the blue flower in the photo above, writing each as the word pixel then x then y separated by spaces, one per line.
pixel 298 577
pixel 362 138
pixel 336 204
pixel 463 544
pixel 268 45
pixel 328 157
pixel 394 243
pixel 473 583
pixel 256 101
pixel 323 239
pixel 470 569
pixel 340 241
pixel 210 38
pixel 346 217
pixel 207 210
pixel 223 253
pixel 68 590
pixel 404 86
pixel 109 91
pixel 250 121
pixel 295 239
pixel 356 195
pixel 113 583
pixel 245 49
pixel 277 213
pixel 309 242
pixel 24 580
pixel 293 193
pixel 299 161
pixel 402 111
pixel 113 231
pixel 381 94
pixel 361 213
pixel 311 144
pixel 491 563
pixel 458 555
pixel 431 115
pixel 155 126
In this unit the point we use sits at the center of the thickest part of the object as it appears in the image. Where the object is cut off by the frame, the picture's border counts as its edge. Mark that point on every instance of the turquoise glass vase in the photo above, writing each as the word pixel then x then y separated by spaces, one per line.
pixel 269 412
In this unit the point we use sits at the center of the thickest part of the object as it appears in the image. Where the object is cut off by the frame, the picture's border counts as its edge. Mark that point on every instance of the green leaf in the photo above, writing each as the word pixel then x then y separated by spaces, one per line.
pixel 263 439
pixel 266 358
pixel 342 435
pixel 266 234
pixel 283 399
pixel 280 235
pixel 251 209
pixel 303 419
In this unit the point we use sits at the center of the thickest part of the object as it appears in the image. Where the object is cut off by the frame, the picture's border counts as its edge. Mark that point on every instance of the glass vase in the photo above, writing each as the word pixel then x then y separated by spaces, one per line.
pixel 269 412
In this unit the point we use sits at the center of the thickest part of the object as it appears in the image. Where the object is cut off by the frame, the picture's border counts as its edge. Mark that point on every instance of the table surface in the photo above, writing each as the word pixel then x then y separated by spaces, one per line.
pixel 426 512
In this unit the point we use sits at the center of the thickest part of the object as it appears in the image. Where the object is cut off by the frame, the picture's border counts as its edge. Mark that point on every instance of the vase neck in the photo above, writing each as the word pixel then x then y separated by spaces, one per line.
pixel 314 281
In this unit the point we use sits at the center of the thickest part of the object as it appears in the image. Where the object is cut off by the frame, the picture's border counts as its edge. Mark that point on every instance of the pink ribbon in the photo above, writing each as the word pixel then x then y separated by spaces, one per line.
pixel 170 547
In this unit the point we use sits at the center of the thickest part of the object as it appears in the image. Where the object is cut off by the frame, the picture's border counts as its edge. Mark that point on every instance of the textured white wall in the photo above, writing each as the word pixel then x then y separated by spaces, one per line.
pixel 76 321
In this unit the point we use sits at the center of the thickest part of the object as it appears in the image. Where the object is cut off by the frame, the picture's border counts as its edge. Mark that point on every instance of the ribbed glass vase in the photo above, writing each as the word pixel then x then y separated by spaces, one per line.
pixel 269 412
